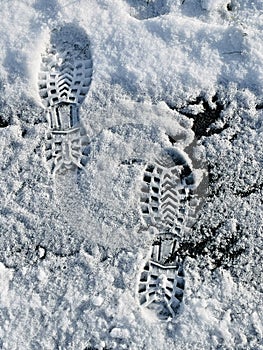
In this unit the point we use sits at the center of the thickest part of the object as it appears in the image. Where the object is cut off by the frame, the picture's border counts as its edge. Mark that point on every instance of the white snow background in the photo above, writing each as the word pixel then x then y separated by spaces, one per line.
pixel 70 247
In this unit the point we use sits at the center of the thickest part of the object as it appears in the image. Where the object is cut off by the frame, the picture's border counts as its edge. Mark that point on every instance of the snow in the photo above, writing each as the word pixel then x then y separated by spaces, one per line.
pixel 71 247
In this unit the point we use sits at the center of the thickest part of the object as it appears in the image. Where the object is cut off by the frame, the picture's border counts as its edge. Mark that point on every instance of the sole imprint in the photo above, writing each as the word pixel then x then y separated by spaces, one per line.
pixel 167 208
pixel 64 81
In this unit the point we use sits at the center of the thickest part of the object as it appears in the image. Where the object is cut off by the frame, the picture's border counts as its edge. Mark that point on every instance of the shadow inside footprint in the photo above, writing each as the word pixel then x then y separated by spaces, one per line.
pixel 71 36
pixel 144 9
pixel 66 68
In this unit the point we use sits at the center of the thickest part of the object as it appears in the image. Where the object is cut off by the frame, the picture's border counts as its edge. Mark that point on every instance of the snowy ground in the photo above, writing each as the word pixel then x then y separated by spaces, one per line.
pixel 70 246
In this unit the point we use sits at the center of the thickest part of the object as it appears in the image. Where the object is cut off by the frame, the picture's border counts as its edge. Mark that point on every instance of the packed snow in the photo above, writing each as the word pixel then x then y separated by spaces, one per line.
pixel 166 73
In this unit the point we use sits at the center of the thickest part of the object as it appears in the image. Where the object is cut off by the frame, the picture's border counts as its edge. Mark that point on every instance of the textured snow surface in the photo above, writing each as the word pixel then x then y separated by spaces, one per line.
pixel 71 247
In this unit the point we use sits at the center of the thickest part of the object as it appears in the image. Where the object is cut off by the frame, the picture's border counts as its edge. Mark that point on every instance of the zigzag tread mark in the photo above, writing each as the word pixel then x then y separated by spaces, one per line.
pixel 167 220
pixel 67 64
pixel 167 180
pixel 64 92
pixel 65 77
pixel 169 206
pixel 171 193
pixel 167 187
pixel 170 196
pixel 167 176
pixel 168 184
pixel 170 213
pixel 64 87
pixel 66 70
pixel 170 216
